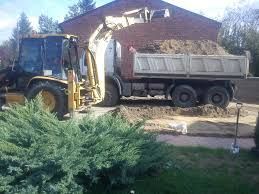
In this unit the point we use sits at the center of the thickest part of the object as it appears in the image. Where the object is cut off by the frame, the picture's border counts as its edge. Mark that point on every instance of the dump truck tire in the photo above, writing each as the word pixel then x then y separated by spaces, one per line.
pixel 53 97
pixel 111 96
pixel 218 96
pixel 184 96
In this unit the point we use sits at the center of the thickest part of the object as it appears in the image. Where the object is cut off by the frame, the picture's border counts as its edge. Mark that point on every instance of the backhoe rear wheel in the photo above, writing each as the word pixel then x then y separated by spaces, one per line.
pixel 53 97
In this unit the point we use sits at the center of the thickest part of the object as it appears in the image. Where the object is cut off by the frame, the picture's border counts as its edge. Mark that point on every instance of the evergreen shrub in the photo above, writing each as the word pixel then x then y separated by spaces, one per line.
pixel 40 154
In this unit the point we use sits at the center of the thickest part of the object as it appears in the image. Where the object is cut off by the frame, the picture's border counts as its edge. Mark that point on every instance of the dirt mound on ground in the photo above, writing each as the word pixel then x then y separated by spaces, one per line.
pixel 133 114
pixel 197 47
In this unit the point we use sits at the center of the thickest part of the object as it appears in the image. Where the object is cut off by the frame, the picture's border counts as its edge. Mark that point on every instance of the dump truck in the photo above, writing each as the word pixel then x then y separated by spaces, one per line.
pixel 186 79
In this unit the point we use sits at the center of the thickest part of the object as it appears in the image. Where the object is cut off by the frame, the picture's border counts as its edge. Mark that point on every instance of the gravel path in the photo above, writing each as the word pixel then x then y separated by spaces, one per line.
pixel 209 142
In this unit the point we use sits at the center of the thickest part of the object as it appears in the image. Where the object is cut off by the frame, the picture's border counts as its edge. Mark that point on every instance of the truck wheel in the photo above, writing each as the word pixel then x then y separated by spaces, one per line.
pixel 111 96
pixel 184 96
pixel 218 96
pixel 53 97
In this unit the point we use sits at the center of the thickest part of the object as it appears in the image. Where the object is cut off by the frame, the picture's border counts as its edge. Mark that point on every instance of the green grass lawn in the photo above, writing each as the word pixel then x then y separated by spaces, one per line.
pixel 200 171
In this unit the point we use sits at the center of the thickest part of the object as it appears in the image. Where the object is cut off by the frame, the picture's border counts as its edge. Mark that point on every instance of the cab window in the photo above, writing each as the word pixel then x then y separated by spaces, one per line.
pixel 31 55
pixel 70 57
pixel 53 55
pixel 66 54
pixel 74 58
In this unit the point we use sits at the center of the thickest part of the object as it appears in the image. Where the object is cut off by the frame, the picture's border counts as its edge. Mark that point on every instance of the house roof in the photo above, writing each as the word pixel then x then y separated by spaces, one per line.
pixel 116 1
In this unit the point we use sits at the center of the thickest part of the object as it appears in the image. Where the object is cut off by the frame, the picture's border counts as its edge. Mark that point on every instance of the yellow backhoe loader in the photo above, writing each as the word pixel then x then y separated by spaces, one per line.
pixel 49 65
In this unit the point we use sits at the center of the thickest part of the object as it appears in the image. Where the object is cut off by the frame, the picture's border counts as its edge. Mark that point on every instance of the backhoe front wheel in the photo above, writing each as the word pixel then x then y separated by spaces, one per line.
pixel 53 97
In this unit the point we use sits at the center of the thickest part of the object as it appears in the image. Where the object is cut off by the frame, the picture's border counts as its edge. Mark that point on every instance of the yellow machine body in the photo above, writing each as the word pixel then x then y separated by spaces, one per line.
pixel 14 98
pixel 73 92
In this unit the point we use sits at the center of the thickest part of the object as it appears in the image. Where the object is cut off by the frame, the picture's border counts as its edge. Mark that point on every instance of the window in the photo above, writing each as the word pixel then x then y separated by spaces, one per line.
pixel 31 54
pixel 53 55
pixel 74 57
pixel 66 54
pixel 70 57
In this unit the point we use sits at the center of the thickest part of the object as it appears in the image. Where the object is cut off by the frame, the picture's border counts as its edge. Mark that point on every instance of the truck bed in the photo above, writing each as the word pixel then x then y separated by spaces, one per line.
pixel 181 66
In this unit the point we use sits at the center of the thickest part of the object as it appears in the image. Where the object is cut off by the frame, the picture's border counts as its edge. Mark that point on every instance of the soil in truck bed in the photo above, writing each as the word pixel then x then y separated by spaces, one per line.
pixel 196 47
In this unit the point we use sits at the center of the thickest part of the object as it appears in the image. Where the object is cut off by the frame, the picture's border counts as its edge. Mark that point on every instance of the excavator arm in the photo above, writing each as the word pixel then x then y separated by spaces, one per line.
pixel 98 44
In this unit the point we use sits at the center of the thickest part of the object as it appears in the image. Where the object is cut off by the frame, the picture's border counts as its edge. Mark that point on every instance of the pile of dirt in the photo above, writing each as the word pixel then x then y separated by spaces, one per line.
pixel 197 47
pixel 138 113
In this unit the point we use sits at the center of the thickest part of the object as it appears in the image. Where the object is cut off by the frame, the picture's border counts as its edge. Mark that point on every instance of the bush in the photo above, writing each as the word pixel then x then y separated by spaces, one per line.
pixel 256 138
pixel 40 154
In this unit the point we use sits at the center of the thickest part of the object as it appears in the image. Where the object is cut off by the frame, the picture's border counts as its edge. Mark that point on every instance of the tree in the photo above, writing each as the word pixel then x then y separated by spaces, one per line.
pixel 240 32
pixel 6 54
pixel 47 25
pixel 23 28
pixel 2 54
pixel 24 25
pixel 86 5
pixel 14 40
pixel 79 8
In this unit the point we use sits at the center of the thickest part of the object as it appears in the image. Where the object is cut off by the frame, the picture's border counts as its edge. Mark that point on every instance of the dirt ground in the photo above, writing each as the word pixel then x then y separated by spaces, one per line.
pixel 209 121
pixel 203 47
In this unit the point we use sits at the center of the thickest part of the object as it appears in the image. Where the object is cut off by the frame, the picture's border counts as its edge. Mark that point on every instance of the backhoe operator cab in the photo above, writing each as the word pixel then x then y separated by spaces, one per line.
pixel 45 64
pixel 49 56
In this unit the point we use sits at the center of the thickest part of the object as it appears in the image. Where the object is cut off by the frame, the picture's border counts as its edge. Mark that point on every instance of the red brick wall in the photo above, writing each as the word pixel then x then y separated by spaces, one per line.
pixel 182 24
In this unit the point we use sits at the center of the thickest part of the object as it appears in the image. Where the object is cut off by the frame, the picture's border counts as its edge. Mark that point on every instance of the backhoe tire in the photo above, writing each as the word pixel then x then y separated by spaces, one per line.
pixel 53 97
pixel 111 96
pixel 217 96
pixel 184 96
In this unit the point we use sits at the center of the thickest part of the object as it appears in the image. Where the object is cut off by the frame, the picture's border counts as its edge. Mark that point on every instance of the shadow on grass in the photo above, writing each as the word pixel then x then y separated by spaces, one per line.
pixel 201 171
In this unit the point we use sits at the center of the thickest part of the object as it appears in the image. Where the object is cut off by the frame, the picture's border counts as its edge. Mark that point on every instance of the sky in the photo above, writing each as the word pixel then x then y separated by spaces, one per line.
pixel 11 9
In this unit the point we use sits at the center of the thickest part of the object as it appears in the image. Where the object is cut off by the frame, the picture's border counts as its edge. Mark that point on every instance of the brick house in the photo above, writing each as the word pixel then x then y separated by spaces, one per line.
pixel 182 24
